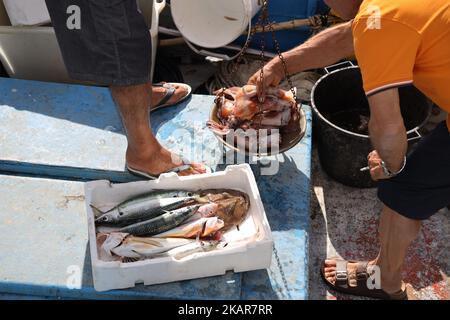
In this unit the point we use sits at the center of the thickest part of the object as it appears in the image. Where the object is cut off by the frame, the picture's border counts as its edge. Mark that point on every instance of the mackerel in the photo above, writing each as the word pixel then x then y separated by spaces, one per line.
pixel 145 207
pixel 162 223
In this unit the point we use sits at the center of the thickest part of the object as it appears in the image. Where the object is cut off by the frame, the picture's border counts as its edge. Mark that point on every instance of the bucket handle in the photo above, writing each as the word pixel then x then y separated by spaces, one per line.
pixel 224 57
pixel 207 53
pixel 417 137
pixel 334 66
pixel 160 5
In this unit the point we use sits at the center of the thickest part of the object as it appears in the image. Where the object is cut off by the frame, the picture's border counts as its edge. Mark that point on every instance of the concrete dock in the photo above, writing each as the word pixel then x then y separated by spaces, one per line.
pixel 344 222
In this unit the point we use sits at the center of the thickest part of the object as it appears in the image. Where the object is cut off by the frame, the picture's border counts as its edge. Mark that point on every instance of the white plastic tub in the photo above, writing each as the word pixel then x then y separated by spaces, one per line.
pixel 237 256
pixel 213 24
pixel 32 52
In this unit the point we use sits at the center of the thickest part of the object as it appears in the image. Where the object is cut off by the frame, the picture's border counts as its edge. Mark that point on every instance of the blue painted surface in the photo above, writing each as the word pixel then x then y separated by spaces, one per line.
pixel 57 129
pixel 77 130
pixel 286 198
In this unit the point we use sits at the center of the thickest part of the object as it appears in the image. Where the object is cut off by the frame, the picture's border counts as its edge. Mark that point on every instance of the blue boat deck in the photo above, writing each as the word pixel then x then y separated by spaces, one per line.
pixel 55 136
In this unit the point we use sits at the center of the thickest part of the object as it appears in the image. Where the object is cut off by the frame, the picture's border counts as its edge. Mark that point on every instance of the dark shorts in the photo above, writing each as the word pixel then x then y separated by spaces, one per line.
pixel 111 44
pixel 423 188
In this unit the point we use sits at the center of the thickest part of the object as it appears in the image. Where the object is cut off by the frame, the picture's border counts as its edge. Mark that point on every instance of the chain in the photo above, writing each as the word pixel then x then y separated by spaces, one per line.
pixel 280 55
pixel 283 276
pixel 261 94
pixel 247 44
pixel 241 55
pixel 263 23
pixel 283 62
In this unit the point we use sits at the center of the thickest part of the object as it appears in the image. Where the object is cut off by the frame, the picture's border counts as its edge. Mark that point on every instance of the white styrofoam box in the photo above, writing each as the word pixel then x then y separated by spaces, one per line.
pixel 252 253
pixel 27 12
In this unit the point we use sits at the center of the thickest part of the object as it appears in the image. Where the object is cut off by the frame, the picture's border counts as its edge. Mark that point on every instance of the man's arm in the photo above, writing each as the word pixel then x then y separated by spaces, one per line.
pixel 387 132
pixel 326 48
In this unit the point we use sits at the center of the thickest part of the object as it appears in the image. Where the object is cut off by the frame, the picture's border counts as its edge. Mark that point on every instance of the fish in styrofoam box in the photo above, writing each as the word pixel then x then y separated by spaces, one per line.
pixel 248 247
pixel 27 12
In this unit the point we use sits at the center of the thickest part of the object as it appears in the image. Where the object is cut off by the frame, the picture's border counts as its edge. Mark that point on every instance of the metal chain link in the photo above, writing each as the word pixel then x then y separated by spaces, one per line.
pixel 278 51
pixel 261 94
pixel 262 23
pixel 283 275
pixel 241 55
pixel 247 44
pixel 283 62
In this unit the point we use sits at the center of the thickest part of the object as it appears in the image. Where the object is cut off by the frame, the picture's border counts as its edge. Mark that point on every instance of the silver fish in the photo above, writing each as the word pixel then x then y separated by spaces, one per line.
pixel 186 250
pixel 128 246
pixel 162 223
pixel 145 207
pixel 202 227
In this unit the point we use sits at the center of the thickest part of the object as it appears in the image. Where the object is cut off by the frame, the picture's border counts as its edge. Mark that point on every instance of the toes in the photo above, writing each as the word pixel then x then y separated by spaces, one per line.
pixel 199 167
pixel 330 274
pixel 331 279
pixel 196 168
pixel 330 269
pixel 185 173
pixel 179 87
pixel 330 263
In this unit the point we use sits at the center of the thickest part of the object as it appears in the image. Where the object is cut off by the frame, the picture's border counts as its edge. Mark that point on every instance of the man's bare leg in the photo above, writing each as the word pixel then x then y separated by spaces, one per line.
pixel 396 234
pixel 144 152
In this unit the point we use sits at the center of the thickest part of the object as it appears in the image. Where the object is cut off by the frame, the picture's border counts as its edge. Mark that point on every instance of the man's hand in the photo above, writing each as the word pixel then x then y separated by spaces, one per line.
pixel 324 49
pixel 387 131
pixel 272 77
pixel 376 171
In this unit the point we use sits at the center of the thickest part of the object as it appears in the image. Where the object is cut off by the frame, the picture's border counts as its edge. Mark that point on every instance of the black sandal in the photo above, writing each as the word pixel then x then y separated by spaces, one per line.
pixel 170 91
pixel 361 289
pixel 185 166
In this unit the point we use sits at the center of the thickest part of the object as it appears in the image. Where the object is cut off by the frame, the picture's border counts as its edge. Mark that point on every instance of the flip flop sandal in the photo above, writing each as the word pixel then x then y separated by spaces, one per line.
pixel 170 91
pixel 142 174
pixel 362 275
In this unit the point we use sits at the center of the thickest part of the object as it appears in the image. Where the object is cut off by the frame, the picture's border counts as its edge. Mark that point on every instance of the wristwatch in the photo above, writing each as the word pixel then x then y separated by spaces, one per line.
pixel 388 172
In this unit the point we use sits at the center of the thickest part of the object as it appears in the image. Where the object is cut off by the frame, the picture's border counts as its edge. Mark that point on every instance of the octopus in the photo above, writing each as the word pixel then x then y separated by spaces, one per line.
pixel 239 108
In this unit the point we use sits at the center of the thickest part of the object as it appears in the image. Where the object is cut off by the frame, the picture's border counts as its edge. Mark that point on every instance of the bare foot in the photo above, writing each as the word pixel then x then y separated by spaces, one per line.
pixel 161 161
pixel 158 93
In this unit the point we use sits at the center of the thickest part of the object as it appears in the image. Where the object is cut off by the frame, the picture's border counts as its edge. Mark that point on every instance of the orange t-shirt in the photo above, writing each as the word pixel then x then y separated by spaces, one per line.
pixel 405 42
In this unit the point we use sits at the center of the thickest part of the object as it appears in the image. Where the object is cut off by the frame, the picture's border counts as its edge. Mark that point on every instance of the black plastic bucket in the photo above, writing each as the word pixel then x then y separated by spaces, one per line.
pixel 337 98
